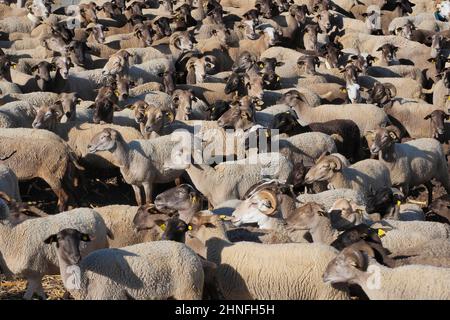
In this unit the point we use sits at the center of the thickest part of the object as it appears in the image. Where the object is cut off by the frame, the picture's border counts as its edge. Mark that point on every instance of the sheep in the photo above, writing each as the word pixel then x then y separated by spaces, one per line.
pixel 8 182
pixel 327 198
pixel 433 252
pixel 353 267
pixel 131 272
pixel 35 260
pixel 47 156
pixel 182 199
pixel 412 163
pixel 121 221
pixel 412 118
pixel 366 116
pixel 235 278
pixel 233 177
pixel 358 176
pixel 346 132
pixel 33 98
pixel 397 236
pixel 406 88
pixel 306 146
pixel 141 161
pixel 18 114
pixel 263 208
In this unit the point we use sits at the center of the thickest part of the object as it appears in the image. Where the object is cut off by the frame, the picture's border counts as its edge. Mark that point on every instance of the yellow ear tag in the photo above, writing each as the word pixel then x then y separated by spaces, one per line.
pixel 343 90
pixel 267 134
pixel 14 65
pixel 163 227
pixel 194 199
pixel 381 233
pixel 189 227
pixel 399 202
pixel 116 93
pixel 84 238
pixel 448 98
pixel 222 217
pixel 278 78
pixel 261 65
pixel 392 135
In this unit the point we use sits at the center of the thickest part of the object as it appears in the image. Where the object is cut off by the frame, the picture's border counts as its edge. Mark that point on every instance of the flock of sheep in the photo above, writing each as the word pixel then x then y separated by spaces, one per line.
pixel 275 149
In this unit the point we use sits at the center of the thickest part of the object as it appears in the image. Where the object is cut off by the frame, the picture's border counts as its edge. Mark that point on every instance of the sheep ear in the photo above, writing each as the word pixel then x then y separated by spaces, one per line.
pixel 427 117
pixel 51 239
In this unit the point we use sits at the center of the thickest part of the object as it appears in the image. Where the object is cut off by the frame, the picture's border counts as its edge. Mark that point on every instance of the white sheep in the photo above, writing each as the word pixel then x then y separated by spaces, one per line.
pixel 284 271
pixel 152 270
pixel 34 260
pixel 382 283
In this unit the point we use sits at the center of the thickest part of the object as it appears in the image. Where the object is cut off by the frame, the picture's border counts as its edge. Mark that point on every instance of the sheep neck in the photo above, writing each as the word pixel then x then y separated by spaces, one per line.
pixel 201 176
pixel 67 275
pixel 363 280
pixel 388 153
pixel 321 230
pixel 121 152
pixel 287 206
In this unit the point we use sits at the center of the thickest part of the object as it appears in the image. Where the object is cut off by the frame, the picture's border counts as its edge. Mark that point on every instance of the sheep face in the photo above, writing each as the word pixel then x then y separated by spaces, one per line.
pixel 68 245
pixel 62 66
pixel 87 12
pixel 157 119
pixel 145 33
pixel 98 31
pixel 324 21
pixel 248 29
pixel 244 62
pixel 384 139
pixel 183 41
pixel 285 122
pixel 437 118
pixel 175 230
pixel 388 52
pixel 298 12
pixel 48 116
pixel 77 51
pixel 162 27
pixel 104 111
pixel 180 198
pixel 346 267
pixel 306 216
pixel 308 63
pixel 256 209
pixel 105 140
pixel 140 108
pixel 148 217
pixel 324 169
pixel 123 88
pixel 69 101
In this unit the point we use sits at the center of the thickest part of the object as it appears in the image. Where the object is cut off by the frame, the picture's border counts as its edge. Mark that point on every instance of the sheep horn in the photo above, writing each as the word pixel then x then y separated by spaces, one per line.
pixel 337 162
pixel 272 198
pixel 357 257
pixel 391 88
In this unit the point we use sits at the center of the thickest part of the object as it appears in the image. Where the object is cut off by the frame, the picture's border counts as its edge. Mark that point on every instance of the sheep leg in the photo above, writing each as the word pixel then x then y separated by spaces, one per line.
pixel 34 284
pixel 429 187
pixel 137 194
pixel 148 189
pixel 62 195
